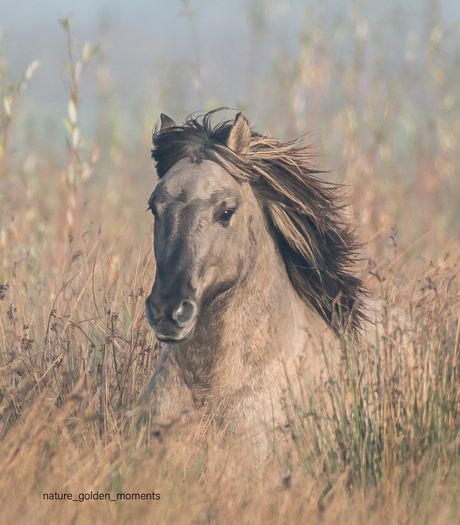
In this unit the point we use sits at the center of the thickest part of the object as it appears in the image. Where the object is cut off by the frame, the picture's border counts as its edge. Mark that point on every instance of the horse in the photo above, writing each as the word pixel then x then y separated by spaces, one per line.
pixel 254 281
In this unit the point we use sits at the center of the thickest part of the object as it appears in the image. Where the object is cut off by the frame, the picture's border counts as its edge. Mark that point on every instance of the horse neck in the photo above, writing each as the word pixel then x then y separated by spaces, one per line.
pixel 264 295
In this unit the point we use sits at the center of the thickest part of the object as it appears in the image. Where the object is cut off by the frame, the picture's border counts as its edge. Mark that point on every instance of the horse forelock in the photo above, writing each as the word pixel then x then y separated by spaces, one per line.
pixel 304 212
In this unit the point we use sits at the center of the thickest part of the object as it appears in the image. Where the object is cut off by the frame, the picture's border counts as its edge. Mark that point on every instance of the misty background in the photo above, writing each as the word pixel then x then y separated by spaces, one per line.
pixel 154 57
pixel 373 85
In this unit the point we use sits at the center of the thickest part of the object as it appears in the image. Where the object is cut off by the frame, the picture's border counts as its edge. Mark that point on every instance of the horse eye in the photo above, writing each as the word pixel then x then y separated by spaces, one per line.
pixel 226 216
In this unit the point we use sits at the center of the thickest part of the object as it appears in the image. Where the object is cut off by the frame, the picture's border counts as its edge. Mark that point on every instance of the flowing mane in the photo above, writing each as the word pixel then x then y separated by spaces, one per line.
pixel 304 213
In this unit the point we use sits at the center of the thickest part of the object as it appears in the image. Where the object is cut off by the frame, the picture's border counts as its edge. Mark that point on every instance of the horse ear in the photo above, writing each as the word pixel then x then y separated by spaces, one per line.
pixel 240 135
pixel 166 122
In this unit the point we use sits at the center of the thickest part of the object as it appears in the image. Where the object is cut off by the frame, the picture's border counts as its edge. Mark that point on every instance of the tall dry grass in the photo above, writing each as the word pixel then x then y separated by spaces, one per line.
pixel 377 443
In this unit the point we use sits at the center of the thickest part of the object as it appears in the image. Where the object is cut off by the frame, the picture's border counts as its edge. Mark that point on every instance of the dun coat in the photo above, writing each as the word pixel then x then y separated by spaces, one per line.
pixel 254 278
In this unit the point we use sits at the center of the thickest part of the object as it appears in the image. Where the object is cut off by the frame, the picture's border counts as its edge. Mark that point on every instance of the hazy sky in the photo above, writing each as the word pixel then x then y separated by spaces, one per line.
pixel 150 44
pixel 30 30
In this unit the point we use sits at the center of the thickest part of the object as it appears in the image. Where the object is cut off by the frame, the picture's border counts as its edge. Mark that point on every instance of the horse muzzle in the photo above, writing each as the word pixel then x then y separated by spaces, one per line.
pixel 171 325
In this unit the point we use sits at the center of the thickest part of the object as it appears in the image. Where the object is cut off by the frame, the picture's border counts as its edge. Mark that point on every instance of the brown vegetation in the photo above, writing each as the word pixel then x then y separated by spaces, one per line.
pixel 76 351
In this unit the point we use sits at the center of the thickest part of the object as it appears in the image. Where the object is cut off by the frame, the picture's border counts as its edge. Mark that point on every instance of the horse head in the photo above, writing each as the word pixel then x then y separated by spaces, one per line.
pixel 201 233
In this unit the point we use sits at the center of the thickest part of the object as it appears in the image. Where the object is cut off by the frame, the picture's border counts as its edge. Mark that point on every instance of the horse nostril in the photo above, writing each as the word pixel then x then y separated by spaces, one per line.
pixel 149 311
pixel 184 313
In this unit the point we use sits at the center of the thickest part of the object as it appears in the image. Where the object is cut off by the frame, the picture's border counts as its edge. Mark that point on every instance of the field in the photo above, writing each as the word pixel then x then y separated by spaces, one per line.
pixel 76 263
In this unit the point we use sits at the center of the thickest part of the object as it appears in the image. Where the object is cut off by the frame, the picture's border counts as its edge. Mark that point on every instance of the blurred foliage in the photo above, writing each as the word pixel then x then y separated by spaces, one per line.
pixel 381 105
